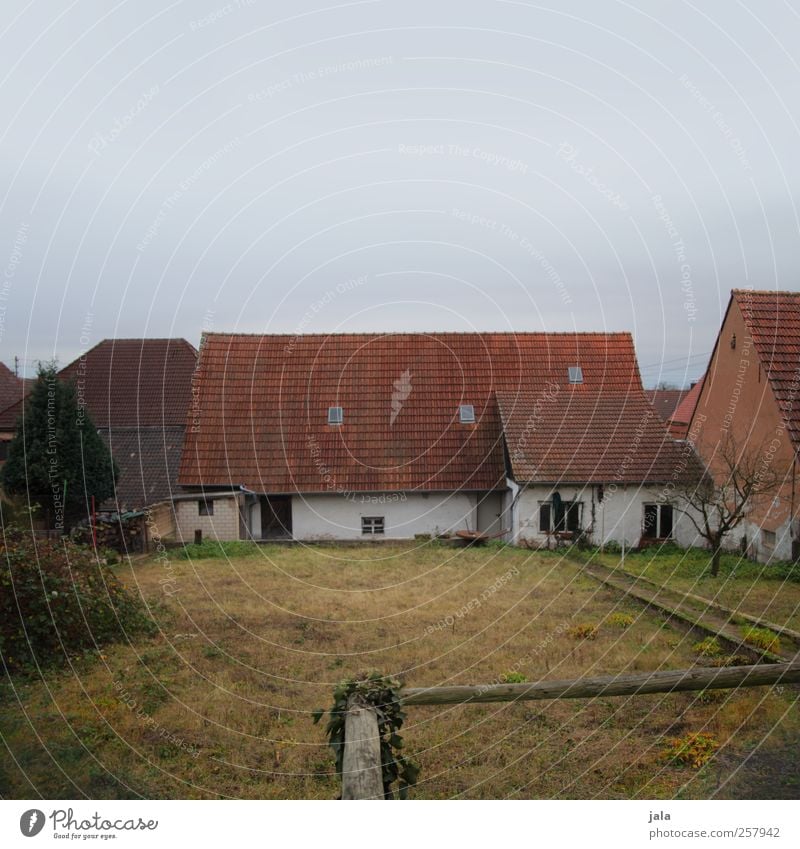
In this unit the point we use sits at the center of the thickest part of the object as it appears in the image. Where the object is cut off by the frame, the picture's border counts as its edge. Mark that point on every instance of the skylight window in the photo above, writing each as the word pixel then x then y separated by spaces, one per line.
pixel 575 374
pixel 335 415
pixel 466 414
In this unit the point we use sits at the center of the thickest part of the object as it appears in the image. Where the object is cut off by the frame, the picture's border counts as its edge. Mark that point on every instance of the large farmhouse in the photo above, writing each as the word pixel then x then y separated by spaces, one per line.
pixel 751 395
pixel 365 436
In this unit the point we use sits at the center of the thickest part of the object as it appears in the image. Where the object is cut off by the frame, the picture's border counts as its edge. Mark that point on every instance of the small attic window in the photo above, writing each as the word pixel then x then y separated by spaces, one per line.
pixel 335 415
pixel 466 414
pixel 575 374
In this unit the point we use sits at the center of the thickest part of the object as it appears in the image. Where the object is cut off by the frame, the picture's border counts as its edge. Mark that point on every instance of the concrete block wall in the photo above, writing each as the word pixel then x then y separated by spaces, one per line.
pixel 223 525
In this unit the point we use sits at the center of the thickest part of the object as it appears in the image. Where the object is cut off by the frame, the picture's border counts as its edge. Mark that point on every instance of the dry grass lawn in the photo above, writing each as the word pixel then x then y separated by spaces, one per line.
pixel 742 585
pixel 219 704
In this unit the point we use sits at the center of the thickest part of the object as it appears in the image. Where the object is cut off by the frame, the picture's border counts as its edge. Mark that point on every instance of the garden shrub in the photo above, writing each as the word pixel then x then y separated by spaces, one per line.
pixel 620 620
pixel 763 639
pixel 709 647
pixel 584 631
pixel 57 600
pixel 692 750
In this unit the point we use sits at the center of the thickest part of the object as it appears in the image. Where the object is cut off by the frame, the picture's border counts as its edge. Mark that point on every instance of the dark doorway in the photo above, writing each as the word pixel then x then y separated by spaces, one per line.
pixel 276 516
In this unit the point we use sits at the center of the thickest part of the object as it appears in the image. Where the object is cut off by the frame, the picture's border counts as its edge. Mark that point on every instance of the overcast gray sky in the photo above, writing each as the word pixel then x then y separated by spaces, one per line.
pixel 316 166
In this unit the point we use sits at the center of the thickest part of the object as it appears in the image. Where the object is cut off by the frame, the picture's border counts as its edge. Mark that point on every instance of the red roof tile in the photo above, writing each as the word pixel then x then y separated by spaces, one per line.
pixel 12 388
pixel 130 383
pixel 259 418
pixel 575 437
pixel 148 459
pixel 773 320
pixel 679 421
pixel 665 401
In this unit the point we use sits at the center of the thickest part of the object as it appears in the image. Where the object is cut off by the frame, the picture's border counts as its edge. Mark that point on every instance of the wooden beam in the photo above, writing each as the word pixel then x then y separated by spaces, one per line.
pixel 362 777
pixel 679 680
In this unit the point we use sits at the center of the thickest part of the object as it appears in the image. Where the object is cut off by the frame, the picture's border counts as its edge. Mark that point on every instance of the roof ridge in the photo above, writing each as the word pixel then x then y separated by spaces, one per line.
pixel 426 333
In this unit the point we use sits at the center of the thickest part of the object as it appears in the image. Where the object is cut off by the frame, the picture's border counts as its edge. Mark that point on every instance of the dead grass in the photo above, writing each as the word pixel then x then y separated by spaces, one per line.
pixel 219 704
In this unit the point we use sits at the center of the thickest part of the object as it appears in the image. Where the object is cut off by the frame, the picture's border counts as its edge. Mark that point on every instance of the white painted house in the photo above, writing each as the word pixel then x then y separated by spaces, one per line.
pixel 390 436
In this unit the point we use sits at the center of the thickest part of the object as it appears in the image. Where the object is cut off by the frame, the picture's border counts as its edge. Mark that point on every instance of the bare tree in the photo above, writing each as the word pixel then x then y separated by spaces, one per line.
pixel 741 479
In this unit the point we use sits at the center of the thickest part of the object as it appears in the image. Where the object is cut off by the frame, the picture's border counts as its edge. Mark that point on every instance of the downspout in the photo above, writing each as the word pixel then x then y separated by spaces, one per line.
pixel 792 527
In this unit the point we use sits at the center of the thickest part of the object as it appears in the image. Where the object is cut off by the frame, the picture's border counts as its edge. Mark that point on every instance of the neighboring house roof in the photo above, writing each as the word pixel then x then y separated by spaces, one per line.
pixel 259 418
pixel 12 388
pixel 148 459
pixel 679 421
pixel 575 438
pixel 773 321
pixel 665 401
pixel 137 392
pixel 129 382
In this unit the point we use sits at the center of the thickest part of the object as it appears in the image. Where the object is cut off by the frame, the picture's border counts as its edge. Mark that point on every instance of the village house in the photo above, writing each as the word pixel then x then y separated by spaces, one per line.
pixel 751 395
pixel 136 392
pixel 527 436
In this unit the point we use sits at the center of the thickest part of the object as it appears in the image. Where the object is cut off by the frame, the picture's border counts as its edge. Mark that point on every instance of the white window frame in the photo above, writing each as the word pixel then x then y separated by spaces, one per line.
pixel 575 374
pixel 659 505
pixel 373 525
pixel 335 415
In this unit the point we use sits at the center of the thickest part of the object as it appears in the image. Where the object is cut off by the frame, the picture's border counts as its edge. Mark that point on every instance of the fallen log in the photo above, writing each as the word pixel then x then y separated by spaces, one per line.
pixel 679 680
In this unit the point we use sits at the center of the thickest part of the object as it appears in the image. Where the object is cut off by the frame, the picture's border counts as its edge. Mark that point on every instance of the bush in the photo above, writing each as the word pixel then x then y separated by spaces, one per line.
pixel 692 750
pixel 584 631
pixel 763 639
pixel 709 647
pixel 57 600
pixel 620 620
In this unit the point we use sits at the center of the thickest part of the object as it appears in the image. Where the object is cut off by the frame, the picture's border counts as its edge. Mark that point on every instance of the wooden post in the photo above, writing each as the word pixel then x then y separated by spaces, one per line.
pixel 679 680
pixel 362 776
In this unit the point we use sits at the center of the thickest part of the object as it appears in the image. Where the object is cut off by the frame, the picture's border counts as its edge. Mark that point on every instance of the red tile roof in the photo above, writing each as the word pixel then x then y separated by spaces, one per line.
pixel 148 459
pixel 130 383
pixel 773 321
pixel 12 388
pixel 575 437
pixel 665 401
pixel 680 420
pixel 259 418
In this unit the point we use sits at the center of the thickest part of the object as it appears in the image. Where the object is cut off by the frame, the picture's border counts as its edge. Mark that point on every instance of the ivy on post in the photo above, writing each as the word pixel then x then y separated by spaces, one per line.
pixel 365 719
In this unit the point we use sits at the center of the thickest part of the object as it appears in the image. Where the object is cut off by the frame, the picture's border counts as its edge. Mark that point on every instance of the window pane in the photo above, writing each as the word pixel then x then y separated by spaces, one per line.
pixel 573 515
pixel 650 527
pixel 544 518
pixel 666 521
pixel 467 413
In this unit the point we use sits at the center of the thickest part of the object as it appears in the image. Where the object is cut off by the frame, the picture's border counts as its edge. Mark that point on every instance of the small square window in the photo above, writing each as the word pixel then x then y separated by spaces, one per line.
pixel 335 415
pixel 544 517
pixel 205 508
pixel 466 414
pixel 372 525
pixel 575 374
pixel 768 538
